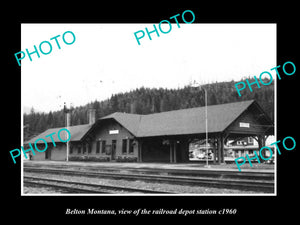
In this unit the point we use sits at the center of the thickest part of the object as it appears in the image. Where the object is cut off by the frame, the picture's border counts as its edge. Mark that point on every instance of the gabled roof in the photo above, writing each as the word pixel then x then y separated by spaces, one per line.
pixel 183 121
pixel 176 122
pixel 191 121
pixel 130 121
pixel 77 133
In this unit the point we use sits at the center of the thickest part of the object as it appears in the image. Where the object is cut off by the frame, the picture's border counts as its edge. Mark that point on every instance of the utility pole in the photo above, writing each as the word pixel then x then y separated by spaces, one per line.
pixel 206 129
pixel 67 123
pixel 206 121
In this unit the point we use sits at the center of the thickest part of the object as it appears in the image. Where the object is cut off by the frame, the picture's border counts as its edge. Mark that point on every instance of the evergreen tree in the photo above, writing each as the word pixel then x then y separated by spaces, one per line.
pixel 146 100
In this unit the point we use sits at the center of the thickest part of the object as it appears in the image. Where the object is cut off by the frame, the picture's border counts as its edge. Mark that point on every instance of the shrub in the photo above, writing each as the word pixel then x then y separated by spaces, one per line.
pixel 86 158
pixel 126 159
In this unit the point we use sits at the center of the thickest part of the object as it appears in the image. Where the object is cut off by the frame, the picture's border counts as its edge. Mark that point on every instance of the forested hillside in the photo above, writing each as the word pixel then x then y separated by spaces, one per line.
pixel 152 100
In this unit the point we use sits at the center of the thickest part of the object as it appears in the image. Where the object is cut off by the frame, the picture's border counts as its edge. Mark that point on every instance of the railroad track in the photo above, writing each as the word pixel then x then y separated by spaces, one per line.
pixel 245 184
pixel 80 187
pixel 250 175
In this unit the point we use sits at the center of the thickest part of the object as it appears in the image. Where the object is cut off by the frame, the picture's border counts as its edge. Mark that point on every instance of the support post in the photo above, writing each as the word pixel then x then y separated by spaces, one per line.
pixel 171 151
pixel 219 149
pixel 222 148
pixel 140 158
pixel 175 151
pixel 261 143
pixel 214 151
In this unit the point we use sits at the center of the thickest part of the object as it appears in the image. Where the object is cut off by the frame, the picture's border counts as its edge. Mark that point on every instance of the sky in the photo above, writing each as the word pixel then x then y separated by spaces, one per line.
pixel 106 59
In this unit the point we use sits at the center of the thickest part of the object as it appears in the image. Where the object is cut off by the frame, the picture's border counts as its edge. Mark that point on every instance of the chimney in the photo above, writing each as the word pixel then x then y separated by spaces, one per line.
pixel 67 116
pixel 92 116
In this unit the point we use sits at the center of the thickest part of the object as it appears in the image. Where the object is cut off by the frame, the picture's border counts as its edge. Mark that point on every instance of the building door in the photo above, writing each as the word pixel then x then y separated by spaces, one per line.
pixel 113 149
pixel 48 154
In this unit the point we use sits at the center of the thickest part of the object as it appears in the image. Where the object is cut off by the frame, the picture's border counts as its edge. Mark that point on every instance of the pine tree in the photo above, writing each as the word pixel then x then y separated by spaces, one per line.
pixel 146 100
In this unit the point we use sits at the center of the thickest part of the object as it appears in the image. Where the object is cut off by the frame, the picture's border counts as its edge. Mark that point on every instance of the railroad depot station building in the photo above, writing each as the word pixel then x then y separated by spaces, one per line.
pixel 160 137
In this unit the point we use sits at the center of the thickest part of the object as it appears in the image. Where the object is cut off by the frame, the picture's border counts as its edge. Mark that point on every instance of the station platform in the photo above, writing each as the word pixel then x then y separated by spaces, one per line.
pixel 265 168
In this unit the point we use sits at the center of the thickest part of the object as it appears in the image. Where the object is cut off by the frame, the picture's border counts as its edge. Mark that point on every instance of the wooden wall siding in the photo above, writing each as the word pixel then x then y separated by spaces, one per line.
pixel 57 153
pixel 103 134
pixel 247 117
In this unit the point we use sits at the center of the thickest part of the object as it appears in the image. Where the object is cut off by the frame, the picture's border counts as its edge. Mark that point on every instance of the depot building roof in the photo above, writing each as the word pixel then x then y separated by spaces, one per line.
pixel 186 121
pixel 77 133
pixel 176 122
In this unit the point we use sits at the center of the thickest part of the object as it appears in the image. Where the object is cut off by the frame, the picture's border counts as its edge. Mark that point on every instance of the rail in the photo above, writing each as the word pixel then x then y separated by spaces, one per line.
pixel 264 185
pixel 81 187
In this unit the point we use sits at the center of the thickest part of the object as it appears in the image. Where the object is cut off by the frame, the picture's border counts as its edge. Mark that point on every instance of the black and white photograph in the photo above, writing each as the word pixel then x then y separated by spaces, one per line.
pixel 110 115
pixel 133 112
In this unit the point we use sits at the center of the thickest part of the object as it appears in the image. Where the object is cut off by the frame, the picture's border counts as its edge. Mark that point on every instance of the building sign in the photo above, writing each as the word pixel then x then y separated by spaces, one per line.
pixel 113 131
pixel 245 125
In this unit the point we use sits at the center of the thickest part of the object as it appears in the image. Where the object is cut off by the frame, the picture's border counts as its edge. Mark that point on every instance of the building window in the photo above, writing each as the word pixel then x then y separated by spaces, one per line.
pixel 98 147
pixel 89 148
pixel 79 149
pixel 71 148
pixel 237 154
pixel 103 146
pixel 124 146
pixel 243 153
pixel 131 145
pixel 250 140
pixel 84 148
